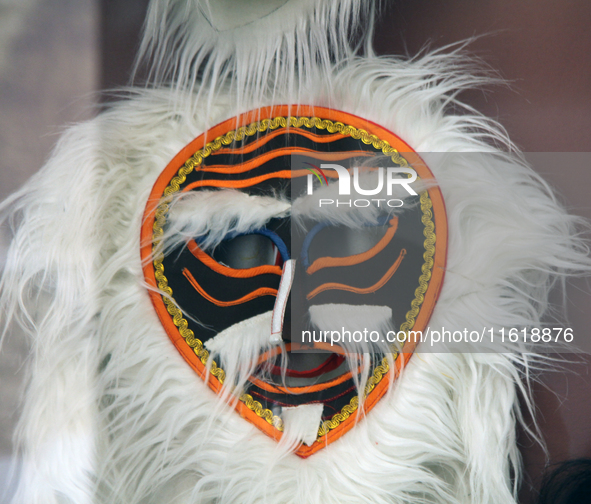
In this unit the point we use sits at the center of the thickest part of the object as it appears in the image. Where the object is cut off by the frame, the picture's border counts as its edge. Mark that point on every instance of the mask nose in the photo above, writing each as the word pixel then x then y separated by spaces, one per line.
pixel 282 299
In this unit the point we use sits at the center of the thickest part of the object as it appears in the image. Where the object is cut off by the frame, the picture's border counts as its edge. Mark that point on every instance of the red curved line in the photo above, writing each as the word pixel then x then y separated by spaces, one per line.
pixel 333 362
pixel 311 170
pixel 319 170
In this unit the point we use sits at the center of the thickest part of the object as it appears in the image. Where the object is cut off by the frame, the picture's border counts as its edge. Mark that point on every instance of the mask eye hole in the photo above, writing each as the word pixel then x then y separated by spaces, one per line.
pixel 246 251
pixel 260 248
pixel 326 240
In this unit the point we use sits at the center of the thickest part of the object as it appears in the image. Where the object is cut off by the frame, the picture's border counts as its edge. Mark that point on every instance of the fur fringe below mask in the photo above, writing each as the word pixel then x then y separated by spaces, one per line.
pixel 168 256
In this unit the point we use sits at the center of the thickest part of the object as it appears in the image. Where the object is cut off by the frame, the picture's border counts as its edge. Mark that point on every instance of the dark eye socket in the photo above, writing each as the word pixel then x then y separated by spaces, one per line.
pixel 246 251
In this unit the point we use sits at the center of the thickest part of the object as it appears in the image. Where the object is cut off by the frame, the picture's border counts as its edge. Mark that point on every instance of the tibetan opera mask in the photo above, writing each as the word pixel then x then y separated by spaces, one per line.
pixel 291 252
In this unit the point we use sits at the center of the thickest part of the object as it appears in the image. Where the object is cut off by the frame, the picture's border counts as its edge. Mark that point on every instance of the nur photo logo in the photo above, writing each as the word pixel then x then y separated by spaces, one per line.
pixel 387 178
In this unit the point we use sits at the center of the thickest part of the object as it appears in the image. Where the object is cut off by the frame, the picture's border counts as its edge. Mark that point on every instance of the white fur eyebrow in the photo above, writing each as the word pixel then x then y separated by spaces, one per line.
pixel 211 215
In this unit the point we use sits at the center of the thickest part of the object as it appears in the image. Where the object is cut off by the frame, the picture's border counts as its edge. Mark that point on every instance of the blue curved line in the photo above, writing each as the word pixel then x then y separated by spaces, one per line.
pixel 308 240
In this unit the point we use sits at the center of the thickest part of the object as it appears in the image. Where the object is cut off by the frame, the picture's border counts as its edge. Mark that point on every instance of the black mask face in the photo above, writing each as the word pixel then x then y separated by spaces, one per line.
pixel 322 270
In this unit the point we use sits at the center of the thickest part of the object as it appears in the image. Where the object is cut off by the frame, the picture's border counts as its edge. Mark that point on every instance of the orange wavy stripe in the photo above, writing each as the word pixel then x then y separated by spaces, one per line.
pixel 262 291
pixel 260 141
pixel 239 184
pixel 286 151
pixel 332 262
pixel 372 288
pixel 225 270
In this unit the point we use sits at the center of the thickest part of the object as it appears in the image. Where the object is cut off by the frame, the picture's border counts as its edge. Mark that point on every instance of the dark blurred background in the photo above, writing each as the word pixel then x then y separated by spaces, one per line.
pixel 56 56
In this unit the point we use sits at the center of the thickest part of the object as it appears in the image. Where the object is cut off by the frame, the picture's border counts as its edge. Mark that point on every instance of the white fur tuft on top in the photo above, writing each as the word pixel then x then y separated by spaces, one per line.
pixel 250 48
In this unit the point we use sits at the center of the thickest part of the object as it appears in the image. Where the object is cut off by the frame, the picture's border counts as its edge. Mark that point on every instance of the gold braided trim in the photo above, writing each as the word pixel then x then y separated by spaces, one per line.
pixel 177 316
pixel 350 408
pixel 429 244
pixel 267 414
pixel 411 315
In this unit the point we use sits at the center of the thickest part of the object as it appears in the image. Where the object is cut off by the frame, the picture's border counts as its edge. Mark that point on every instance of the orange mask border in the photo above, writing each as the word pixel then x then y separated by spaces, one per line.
pixel 192 349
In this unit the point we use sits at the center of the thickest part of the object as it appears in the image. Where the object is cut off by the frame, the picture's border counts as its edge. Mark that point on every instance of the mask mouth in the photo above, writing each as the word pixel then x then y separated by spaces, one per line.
pixel 307 367
pixel 293 369
pixel 306 374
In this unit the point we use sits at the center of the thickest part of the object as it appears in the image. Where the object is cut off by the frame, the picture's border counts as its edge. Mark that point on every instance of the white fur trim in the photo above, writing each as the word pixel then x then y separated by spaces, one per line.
pixel 255 330
pixel 302 422
pixel 212 215
pixel 237 350
pixel 274 51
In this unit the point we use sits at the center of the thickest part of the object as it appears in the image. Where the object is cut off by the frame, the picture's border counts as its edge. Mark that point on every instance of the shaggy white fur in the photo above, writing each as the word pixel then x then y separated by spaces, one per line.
pixel 258 328
pixel 113 414
pixel 211 215
pixel 277 47
pixel 301 422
